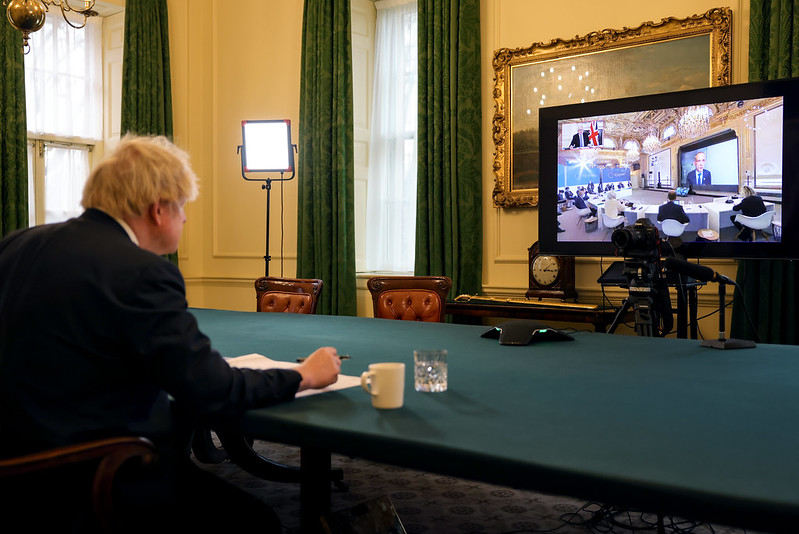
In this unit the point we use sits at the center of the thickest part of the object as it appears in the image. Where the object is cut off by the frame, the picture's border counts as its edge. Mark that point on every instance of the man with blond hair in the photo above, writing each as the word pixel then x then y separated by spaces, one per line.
pixel 96 336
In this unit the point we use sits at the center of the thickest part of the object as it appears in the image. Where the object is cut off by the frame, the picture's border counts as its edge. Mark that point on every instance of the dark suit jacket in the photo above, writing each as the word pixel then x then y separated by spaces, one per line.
pixel 579 202
pixel 95 334
pixel 751 206
pixel 575 143
pixel 705 178
pixel 670 210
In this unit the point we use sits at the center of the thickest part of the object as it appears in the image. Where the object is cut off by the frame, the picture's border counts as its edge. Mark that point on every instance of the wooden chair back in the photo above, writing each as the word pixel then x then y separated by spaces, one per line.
pixel 101 457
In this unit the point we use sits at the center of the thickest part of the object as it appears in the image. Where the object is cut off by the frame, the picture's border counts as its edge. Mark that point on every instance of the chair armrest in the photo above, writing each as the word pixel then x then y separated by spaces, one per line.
pixel 110 454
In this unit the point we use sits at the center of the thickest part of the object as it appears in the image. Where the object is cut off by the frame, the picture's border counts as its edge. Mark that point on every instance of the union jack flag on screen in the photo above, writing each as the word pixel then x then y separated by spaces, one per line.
pixel 595 137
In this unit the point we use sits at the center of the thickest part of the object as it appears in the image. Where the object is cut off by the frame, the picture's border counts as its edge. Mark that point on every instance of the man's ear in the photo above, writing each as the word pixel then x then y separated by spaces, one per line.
pixel 156 212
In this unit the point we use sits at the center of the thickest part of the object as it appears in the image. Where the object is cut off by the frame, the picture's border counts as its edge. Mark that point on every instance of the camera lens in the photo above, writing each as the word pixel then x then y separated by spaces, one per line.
pixel 621 238
pixel 640 239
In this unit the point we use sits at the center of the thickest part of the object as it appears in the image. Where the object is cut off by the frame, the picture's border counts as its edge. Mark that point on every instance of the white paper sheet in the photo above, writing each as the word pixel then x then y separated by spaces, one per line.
pixel 259 361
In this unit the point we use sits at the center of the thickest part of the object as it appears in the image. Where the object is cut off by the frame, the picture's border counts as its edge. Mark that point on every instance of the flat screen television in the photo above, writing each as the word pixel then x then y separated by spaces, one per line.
pixel 706 144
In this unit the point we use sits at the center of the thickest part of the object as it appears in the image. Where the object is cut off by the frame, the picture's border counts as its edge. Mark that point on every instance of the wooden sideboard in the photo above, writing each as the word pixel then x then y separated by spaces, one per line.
pixel 515 308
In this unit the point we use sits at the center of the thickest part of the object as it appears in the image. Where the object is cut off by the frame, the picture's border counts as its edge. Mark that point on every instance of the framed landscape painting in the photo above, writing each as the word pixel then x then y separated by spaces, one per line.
pixel 670 55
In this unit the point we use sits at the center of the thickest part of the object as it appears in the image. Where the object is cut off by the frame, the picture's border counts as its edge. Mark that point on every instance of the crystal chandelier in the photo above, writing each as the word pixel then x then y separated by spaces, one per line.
pixel 632 156
pixel 650 144
pixel 586 156
pixel 28 16
pixel 695 121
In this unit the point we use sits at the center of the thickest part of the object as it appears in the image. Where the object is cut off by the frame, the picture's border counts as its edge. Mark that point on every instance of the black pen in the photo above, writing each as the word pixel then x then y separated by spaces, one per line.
pixel 340 357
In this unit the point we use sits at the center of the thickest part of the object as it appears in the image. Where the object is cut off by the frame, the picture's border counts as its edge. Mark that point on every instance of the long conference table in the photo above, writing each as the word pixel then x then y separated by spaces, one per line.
pixel 656 424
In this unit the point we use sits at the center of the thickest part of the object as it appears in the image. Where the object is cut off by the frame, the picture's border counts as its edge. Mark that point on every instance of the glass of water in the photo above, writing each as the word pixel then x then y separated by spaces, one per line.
pixel 430 370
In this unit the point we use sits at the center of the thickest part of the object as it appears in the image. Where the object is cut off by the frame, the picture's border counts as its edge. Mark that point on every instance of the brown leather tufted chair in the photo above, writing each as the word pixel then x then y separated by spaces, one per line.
pixel 293 295
pixel 410 298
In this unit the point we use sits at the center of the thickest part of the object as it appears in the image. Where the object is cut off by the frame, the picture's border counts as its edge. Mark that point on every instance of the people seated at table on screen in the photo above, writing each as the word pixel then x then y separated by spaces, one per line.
pixel 613 208
pixel 579 203
pixel 672 210
pixel 751 205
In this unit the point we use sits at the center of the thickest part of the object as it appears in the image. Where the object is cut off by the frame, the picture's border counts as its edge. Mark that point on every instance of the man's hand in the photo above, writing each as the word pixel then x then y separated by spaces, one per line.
pixel 320 369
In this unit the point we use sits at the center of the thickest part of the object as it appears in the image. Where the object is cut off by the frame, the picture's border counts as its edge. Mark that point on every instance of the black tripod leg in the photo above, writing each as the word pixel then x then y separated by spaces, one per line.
pixel 645 317
pixel 625 307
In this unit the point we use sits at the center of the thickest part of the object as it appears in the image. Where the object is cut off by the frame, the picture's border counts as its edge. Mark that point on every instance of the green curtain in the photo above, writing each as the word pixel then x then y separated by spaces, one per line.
pixel 449 228
pixel 770 292
pixel 14 132
pixel 325 170
pixel 146 82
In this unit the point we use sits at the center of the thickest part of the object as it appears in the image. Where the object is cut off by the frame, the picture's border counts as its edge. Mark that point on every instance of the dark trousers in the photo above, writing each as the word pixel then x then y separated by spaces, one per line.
pixel 194 501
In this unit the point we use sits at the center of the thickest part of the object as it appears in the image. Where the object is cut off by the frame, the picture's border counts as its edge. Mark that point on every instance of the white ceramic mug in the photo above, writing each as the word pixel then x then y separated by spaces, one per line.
pixel 385 382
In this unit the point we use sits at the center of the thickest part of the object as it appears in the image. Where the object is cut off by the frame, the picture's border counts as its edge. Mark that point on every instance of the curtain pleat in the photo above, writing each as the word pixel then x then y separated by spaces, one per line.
pixel 13 134
pixel 325 170
pixel 146 82
pixel 449 228
pixel 769 290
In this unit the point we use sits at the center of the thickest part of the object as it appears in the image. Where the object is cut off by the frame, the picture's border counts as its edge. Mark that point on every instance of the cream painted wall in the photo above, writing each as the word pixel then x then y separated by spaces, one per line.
pixel 228 67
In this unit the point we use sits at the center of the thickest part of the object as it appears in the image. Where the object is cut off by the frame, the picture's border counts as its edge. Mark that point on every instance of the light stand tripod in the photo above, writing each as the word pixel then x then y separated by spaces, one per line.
pixel 267 148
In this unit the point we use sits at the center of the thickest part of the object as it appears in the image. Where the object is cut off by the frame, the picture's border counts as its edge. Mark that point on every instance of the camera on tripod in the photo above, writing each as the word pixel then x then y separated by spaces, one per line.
pixel 640 240
pixel 639 244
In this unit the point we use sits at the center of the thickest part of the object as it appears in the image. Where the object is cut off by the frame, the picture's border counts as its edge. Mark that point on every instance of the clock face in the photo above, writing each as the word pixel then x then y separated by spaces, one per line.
pixel 546 270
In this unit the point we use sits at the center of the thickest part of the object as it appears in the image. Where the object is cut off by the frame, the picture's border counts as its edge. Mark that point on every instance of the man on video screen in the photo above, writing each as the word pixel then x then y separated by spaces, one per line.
pixel 699 176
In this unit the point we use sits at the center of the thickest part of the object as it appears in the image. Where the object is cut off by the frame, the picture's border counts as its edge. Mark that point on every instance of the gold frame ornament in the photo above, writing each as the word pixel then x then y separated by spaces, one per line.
pixel 697 48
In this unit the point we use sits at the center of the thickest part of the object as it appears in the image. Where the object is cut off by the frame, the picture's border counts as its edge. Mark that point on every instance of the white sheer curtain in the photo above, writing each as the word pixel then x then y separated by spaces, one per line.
pixel 64 79
pixel 391 185
pixel 62 196
pixel 64 97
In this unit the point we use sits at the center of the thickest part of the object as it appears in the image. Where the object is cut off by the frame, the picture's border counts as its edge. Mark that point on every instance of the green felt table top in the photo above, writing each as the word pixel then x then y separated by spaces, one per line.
pixel 608 417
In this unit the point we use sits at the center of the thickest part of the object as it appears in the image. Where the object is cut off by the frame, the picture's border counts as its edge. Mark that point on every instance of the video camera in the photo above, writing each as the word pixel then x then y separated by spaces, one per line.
pixel 640 240
pixel 639 244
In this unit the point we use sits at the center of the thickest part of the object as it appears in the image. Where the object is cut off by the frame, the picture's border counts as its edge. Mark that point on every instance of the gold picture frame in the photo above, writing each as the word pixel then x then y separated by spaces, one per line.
pixel 655 57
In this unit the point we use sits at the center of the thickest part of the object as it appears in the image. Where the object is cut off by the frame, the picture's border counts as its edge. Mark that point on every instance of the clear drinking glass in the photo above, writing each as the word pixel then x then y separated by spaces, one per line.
pixel 430 370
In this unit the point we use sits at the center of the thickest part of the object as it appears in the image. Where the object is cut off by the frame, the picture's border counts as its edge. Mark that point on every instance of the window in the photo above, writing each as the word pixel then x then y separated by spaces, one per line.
pixel 64 97
pixel 631 145
pixel 391 186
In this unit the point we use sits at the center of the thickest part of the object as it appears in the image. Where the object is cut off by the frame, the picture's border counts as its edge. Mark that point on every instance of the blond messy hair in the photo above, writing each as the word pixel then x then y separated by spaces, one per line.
pixel 141 171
